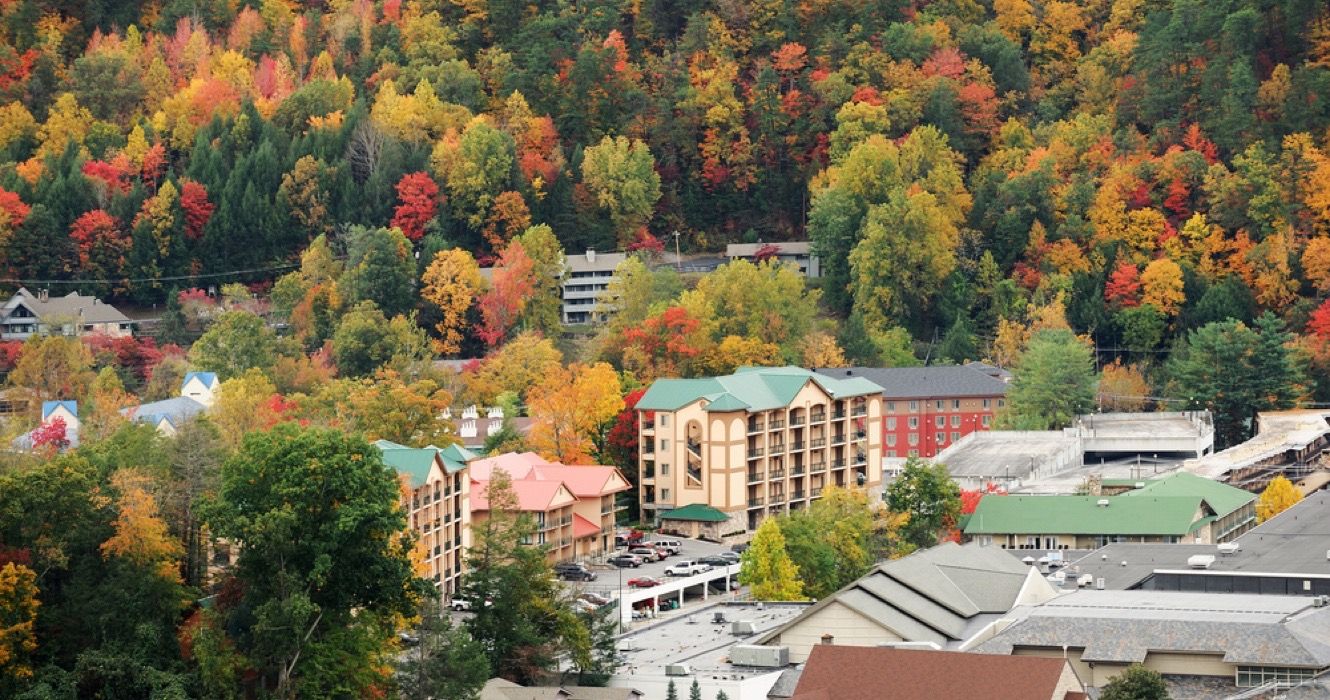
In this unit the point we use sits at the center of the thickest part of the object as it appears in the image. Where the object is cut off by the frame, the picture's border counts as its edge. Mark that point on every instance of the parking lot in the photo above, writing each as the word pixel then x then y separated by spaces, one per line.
pixel 612 582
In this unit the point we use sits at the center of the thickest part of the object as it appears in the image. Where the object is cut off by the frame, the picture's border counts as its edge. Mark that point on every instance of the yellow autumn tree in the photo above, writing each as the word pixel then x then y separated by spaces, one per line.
pixel 1161 285
pixel 767 568
pixel 1316 263
pixel 735 351
pixel 570 408
pixel 18 618
pixel 243 405
pixel 451 283
pixel 820 349
pixel 1122 387
pixel 108 398
pixel 141 535
pixel 1279 495
pixel 519 365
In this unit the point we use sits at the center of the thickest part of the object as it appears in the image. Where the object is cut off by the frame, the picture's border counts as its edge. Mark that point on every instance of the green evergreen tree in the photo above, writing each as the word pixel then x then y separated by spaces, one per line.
pixel 959 345
pixel 1055 382
pixel 695 691
pixel 1136 683
pixel 172 326
pixel 671 693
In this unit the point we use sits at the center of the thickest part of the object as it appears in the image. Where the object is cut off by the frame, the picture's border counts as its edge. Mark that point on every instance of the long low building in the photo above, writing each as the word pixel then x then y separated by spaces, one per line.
pixel 1180 507
pixel 1240 641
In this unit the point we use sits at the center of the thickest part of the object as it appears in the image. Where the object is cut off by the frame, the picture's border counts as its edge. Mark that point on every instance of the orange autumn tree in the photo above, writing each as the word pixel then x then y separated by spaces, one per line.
pixel 512 285
pixel 141 535
pixel 569 410
pixel 451 283
pixel 1122 387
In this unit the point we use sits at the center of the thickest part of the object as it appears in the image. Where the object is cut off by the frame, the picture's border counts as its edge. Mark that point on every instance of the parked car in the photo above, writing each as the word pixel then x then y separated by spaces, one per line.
pixel 460 604
pixel 625 560
pixel 665 552
pixel 643 582
pixel 574 572
pixel 731 557
pixel 716 560
pixel 739 548
pixel 687 567
pixel 675 546
pixel 594 598
pixel 627 538
pixel 647 553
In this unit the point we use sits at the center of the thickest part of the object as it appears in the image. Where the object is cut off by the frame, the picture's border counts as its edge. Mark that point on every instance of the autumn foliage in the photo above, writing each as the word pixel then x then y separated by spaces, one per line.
pixel 418 202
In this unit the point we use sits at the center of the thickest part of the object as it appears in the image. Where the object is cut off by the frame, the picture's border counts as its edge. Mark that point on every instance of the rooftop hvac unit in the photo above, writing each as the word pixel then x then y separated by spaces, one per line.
pixel 678 670
pixel 1200 561
pixel 1229 548
pixel 1320 601
pixel 1085 580
pixel 759 656
pixel 1102 503
pixel 742 628
pixel 1099 583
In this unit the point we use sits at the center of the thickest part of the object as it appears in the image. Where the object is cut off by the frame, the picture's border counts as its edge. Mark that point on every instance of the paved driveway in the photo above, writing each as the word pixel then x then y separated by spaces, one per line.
pixel 608 577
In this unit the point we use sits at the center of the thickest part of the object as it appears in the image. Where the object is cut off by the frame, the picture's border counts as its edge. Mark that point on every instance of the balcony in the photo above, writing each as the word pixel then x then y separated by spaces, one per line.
pixel 797 446
pixel 777 450
pixel 648 425
pixel 838 439
pixel 775 424
pixel 817 442
pixel 797 471
pixel 777 499
pixel 837 463
pixel 858 435
pixel 755 478
pixel 756 427
pixel 756 502
pixel 817 417
pixel 755 452
pixel 649 447
pixel 817 467
pixel 859 411
pixel 796 421
pixel 776 474
pixel 798 495
pixel 837 415
pixel 816 493
pixel 695 447
pixel 860 459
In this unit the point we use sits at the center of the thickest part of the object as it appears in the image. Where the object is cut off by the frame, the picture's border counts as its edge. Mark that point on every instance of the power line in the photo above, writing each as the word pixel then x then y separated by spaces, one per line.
pixel 174 278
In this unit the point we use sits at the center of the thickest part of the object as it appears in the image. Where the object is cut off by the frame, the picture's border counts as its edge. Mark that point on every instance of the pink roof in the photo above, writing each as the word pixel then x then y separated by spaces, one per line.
pixel 518 465
pixel 587 481
pixel 532 496
pixel 583 527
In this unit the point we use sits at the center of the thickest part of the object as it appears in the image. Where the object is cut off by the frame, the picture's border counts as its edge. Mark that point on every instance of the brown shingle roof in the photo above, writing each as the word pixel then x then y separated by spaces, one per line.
pixel 884 673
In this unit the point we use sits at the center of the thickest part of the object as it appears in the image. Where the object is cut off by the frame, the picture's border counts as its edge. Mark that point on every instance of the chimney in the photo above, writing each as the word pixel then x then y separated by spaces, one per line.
pixel 43 294
pixel 828 639
pixel 1095 484
pixel 591 255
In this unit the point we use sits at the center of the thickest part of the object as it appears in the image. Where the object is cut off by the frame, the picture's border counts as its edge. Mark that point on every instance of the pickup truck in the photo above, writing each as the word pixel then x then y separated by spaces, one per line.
pixel 687 567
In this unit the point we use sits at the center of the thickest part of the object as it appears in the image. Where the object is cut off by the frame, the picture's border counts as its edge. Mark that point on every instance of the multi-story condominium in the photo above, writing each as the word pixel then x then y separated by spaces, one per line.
pixel 759 442
pixel 574 506
pixel 927 409
pixel 27 314
pixel 585 281
pixel 436 492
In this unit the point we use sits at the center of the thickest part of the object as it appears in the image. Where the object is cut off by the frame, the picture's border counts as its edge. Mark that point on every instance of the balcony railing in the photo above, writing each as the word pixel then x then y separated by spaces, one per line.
pixel 797 445
pixel 817 467
pixel 859 411
pixel 818 417
pixel 797 471
pixel 798 495
pixel 859 434
pixel 796 421
pixel 860 459
pixel 776 474
pixel 817 442
pixel 756 502
pixel 817 492
pixel 837 463
pixel 838 439
pixel 755 452
pixel 755 428
pixel 695 447
pixel 649 447
pixel 837 415
pixel 754 477
pixel 648 425
pixel 775 424
pixel 777 450
pixel 777 499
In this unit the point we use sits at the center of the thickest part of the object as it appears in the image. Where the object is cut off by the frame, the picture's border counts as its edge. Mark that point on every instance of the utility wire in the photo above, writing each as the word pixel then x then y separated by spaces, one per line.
pixel 175 278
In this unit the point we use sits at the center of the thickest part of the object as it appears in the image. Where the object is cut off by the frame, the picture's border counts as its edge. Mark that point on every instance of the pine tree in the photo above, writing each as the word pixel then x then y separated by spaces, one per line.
pixel 695 692
pixel 671 693
pixel 767 567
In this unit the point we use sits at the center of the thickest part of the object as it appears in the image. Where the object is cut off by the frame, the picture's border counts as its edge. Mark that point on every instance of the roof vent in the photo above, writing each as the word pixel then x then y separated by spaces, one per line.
pixel 1201 561
pixel 1229 547
pixel 1102 503
pixel 1140 484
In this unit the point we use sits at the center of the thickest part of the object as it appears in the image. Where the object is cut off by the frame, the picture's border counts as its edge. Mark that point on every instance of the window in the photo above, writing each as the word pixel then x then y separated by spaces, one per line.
pixel 939 404
pixel 914 439
pixel 664 470
pixel 891 453
pixel 914 453
pixel 955 421
pixel 987 420
pixel 891 407
pixel 941 438
pixel 988 403
pixel 914 406
pixel 940 421
pixel 891 424
pixel 914 422
pixel 955 436
pixel 1253 676
pixel 1001 403
pixel 956 404
pixel 664 419
pixel 891 441
pixel 665 495
pixel 664 444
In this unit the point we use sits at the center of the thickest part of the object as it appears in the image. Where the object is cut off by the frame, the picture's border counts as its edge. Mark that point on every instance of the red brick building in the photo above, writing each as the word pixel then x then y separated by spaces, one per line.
pixel 926 409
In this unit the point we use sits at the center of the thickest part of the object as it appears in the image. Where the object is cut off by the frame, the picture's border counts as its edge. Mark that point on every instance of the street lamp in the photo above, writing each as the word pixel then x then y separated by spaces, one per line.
pixel 678 259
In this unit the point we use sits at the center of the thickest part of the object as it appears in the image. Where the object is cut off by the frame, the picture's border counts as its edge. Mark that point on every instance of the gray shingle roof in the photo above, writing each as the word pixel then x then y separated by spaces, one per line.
pixel 923 382
pixel 1124 626
pixel 72 306
pixel 178 409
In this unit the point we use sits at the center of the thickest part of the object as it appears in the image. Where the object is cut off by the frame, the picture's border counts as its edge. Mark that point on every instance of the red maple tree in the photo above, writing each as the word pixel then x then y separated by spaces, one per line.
pixel 419 201
pixel 1123 289
pixel 196 207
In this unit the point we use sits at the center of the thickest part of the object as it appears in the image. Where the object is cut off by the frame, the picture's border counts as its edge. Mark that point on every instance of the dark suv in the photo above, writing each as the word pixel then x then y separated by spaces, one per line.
pixel 574 572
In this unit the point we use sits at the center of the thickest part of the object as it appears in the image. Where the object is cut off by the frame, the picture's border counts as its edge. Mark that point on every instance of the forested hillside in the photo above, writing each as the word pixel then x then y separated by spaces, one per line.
pixel 1148 166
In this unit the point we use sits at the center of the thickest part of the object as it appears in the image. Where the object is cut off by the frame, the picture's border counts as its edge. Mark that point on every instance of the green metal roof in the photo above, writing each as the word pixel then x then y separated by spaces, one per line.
pixel 1224 499
pixel 415 462
pixel 697 511
pixel 1081 515
pixel 749 389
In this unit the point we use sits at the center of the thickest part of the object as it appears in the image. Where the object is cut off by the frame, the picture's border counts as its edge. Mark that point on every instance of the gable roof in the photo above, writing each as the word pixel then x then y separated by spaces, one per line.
pixel 1143 514
pixel 932 595
pixel 843 673
pixel 178 409
pixel 207 378
pixel 414 463
pixel 532 496
pixel 49 407
pixel 749 389
pixel 1224 499
pixel 74 306
pixel 699 512
pixel 590 481
pixel 924 382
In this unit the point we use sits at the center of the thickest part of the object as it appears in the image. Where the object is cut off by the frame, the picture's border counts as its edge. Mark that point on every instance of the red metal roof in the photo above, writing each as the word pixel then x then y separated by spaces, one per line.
pixel 583 527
